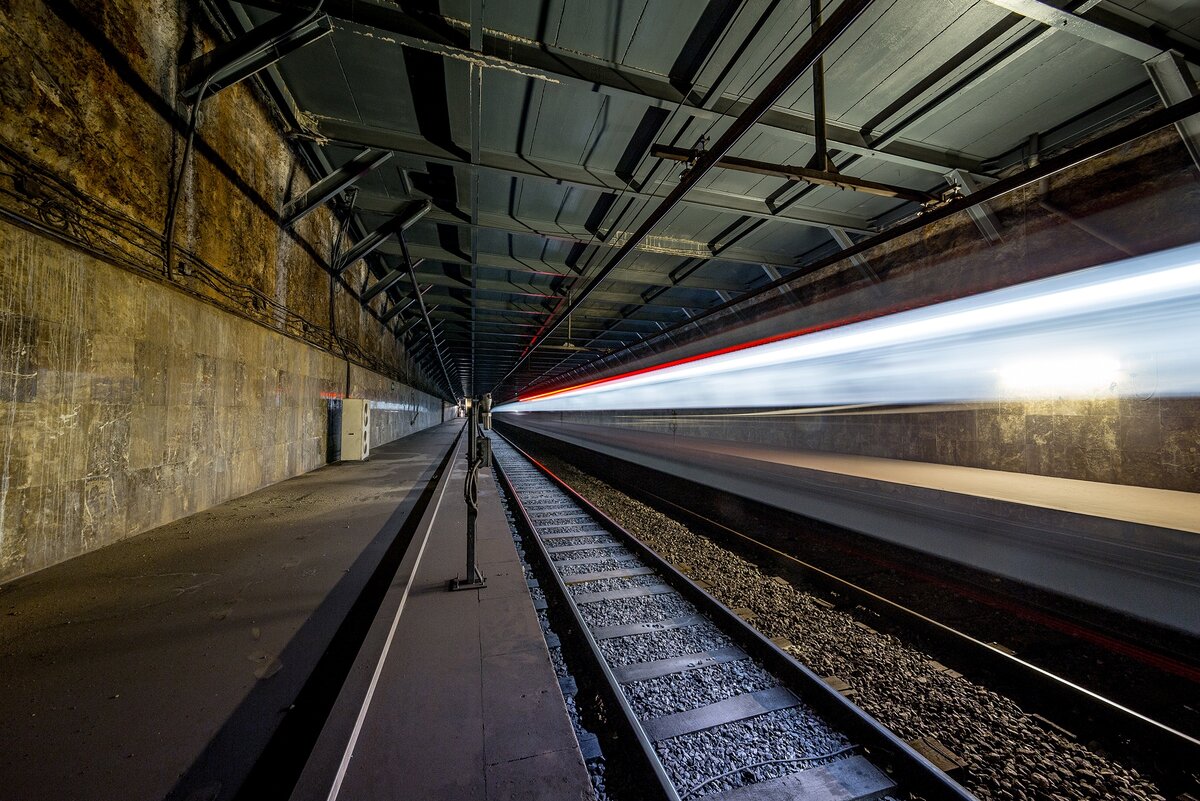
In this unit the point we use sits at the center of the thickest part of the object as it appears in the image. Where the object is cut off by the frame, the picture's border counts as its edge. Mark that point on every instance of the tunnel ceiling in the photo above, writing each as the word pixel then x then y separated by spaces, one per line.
pixel 531 134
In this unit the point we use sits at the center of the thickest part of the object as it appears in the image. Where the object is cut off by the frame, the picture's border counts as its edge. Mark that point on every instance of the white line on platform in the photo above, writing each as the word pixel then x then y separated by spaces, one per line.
pixel 362 713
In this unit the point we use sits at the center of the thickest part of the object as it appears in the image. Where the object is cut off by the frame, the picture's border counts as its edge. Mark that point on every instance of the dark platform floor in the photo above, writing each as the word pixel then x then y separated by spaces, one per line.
pixel 462 703
pixel 163 665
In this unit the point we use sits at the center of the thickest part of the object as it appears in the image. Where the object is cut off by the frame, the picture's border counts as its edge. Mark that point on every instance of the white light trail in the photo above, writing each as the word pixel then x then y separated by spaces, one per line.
pixel 1082 334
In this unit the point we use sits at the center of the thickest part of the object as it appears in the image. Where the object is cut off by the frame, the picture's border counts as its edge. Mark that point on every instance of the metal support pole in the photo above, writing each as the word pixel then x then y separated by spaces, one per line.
pixel 478 451
pixel 821 157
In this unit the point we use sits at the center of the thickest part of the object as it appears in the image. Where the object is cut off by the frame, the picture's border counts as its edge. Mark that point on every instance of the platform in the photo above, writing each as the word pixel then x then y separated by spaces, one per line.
pixel 1133 549
pixel 455 697
pixel 168 664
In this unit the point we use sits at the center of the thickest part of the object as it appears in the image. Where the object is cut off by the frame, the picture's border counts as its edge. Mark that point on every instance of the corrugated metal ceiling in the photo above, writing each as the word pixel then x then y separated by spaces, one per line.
pixel 574 93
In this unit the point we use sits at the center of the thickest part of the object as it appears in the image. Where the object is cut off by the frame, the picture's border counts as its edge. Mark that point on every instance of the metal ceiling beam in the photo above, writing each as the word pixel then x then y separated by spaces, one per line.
pixel 235 61
pixel 449 299
pixel 333 184
pixel 802 174
pixel 1173 81
pixel 511 325
pixel 820 39
pixel 1137 46
pixel 593 178
pixel 512 349
pixel 980 213
pixel 1131 132
pixel 1119 19
pixel 843 241
pixel 510 329
pixel 405 217
pixel 387 282
pixel 315 157
pixel 560 269
pixel 418 295
pixel 517 319
pixel 475 116
pixel 574 235
pixel 514 270
pixel 512 54
pixel 534 290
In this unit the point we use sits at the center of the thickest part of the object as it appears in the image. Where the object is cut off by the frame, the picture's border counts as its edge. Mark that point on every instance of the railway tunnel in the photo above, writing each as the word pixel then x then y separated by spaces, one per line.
pixel 600 399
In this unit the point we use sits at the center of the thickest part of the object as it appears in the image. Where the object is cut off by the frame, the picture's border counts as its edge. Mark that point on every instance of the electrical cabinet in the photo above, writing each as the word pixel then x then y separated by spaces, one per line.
pixel 356 429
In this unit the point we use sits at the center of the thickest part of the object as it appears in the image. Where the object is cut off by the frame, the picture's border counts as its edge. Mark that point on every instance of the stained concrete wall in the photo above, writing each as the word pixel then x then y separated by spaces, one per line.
pixel 125 404
pixel 131 395
pixel 1139 442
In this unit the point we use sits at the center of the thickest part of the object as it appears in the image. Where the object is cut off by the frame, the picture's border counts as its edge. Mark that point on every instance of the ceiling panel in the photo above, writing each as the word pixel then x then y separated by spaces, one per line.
pixel 566 175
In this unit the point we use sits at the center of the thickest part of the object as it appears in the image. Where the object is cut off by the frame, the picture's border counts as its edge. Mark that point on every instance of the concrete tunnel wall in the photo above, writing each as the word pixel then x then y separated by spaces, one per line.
pixel 129 399
pixel 1151 442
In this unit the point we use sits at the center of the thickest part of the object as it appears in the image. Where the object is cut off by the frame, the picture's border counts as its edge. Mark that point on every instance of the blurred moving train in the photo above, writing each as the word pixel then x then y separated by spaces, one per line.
pixel 1122 329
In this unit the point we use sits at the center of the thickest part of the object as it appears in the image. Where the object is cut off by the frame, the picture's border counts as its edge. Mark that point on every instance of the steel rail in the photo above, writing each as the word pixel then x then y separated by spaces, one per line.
pixel 1169 738
pixel 1182 747
pixel 887 751
pixel 629 717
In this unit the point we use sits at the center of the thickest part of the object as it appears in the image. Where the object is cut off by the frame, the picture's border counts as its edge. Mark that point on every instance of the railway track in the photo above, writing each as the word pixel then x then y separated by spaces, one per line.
pixel 1137 756
pixel 1161 749
pixel 717 710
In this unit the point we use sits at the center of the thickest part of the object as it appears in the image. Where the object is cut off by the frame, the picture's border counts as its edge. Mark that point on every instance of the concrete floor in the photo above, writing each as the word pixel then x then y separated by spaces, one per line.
pixel 163 664
pixel 166 665
pixel 455 698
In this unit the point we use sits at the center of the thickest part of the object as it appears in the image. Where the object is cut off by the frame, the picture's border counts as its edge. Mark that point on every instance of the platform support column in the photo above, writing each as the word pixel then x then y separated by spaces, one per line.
pixel 479 453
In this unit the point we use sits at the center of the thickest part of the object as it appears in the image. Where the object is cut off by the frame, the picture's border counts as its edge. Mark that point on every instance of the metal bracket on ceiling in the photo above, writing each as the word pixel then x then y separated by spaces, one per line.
pixel 981 213
pixel 1173 81
pixel 844 242
pixel 396 225
pixel 821 160
pixel 234 61
pixel 333 184
pixel 804 174
pixel 387 282
pixel 694 155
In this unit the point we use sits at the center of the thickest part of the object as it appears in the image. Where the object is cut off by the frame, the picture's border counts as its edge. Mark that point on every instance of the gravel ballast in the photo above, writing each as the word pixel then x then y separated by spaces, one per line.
pixel 623 651
pixel 1009 755
pixel 762 747
pixel 648 609
pixel 691 689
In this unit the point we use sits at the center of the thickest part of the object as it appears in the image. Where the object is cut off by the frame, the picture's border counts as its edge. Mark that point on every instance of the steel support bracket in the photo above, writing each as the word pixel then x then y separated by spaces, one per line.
pixel 1172 80
pixel 844 242
pixel 396 225
pixel 333 184
pixel 1080 27
pixel 229 63
pixel 387 282
pixel 980 213
pixel 792 173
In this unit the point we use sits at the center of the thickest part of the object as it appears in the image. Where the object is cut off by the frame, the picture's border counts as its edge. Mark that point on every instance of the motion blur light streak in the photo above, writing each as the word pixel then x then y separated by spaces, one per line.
pixel 1118 329
pixel 1065 375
